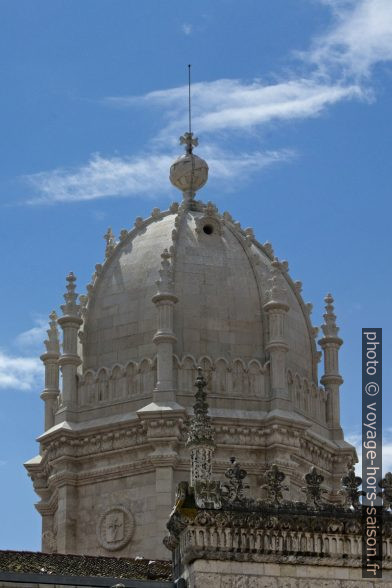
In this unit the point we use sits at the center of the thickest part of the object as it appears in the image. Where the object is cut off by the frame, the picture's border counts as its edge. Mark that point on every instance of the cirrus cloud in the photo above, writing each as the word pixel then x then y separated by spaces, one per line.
pixel 20 373
pixel 337 67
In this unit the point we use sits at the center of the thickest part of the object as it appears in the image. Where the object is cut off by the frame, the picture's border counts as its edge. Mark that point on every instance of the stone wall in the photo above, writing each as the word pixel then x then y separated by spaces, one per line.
pixel 234 574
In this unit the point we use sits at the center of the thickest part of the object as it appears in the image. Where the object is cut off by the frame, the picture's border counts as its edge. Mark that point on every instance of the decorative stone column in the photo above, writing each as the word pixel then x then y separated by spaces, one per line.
pixel 276 308
pixel 201 435
pixel 331 380
pixel 50 360
pixel 69 359
pixel 164 338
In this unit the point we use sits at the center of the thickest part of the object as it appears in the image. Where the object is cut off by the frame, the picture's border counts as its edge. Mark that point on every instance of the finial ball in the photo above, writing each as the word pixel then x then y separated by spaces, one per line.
pixel 189 173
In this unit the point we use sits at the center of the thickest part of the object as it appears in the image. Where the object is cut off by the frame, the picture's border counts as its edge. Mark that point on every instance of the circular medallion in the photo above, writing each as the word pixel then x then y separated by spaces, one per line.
pixel 115 528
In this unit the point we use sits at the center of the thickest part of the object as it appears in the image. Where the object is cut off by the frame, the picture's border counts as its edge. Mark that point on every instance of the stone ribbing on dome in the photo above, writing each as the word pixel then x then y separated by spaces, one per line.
pixel 121 319
pixel 218 313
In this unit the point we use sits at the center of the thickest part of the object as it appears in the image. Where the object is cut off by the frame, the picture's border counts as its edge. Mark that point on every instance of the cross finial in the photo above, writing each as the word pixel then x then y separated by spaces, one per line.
pixel 189 141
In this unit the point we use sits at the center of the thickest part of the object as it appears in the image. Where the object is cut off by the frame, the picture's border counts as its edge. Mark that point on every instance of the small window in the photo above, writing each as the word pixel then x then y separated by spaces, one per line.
pixel 208 229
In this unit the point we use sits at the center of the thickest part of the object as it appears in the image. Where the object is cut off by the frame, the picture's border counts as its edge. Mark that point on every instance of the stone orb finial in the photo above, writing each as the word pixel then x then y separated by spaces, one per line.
pixel 189 172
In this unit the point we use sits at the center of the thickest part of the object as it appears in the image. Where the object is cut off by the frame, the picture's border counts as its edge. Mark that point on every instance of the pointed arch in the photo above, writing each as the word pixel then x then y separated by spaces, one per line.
pixel 88 389
pixel 306 396
pixel 240 384
pixel 206 365
pixel 146 376
pixel 220 376
pixel 187 374
pixel 116 381
pixel 298 392
pixel 255 379
pixel 290 385
pixel 102 381
pixel 131 370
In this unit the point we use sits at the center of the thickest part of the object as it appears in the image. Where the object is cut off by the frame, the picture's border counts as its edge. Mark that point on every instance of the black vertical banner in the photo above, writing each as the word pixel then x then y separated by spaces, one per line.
pixel 371 453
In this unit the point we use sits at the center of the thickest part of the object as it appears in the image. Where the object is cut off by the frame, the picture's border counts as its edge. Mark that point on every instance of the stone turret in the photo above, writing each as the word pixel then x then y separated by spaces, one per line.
pixel 164 338
pixel 69 360
pixel 331 378
pixel 50 360
pixel 276 308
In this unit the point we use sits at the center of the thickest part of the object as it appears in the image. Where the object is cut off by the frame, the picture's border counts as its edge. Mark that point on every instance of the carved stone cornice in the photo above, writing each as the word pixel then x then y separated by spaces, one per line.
pixel 260 531
pixel 77 444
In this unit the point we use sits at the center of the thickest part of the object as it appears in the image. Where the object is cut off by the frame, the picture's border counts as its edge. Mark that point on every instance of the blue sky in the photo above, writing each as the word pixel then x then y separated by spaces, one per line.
pixel 292 106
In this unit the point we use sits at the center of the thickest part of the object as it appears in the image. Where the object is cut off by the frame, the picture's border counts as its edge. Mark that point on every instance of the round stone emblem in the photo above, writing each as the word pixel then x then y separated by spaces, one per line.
pixel 115 528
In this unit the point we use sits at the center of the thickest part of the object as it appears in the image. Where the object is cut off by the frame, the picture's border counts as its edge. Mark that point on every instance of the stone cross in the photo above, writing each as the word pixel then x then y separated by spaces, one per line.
pixel 189 141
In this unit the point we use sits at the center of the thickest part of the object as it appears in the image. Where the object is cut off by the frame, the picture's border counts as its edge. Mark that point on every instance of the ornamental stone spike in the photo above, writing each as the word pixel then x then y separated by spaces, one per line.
pixel 50 360
pixel 69 360
pixel 165 283
pixel 52 343
pixel 201 435
pixel 276 292
pixel 329 327
pixel 331 379
pixel 70 308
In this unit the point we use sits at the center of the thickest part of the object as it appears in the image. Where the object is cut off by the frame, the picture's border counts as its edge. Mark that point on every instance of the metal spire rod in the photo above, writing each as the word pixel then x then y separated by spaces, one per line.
pixel 189 99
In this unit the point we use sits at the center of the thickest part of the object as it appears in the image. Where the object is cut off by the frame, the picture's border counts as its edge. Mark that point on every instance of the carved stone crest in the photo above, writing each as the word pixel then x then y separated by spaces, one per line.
pixel 115 528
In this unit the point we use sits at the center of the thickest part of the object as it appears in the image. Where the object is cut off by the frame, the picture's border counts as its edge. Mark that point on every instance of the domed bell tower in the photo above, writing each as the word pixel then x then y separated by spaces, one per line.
pixel 184 288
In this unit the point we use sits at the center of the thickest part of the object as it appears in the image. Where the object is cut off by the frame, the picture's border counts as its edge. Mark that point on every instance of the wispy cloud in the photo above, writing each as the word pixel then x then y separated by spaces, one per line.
pixel 226 105
pixel 186 28
pixel 20 373
pixel 102 177
pixel 336 67
pixel 34 337
pixel 360 38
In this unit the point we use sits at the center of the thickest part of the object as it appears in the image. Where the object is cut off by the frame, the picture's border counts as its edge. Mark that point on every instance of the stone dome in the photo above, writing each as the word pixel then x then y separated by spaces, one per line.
pixel 221 279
